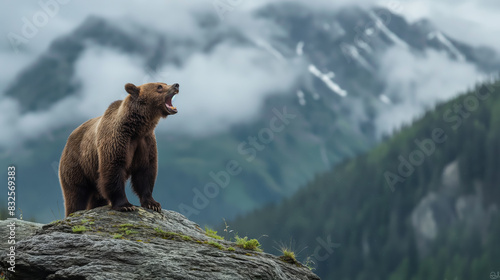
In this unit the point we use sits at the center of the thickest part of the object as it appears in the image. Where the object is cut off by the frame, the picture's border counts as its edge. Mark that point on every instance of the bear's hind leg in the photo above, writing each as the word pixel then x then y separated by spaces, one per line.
pixel 96 200
pixel 111 185
pixel 75 199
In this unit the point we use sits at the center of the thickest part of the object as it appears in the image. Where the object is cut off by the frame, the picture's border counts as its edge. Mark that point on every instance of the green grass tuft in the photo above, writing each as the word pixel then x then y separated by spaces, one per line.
pixel 289 254
pixel 126 225
pixel 125 228
pixel 173 235
pixel 158 230
pixel 118 236
pixel 231 249
pixel 79 229
pixel 128 231
pixel 212 233
pixel 215 244
pixel 163 233
pixel 252 244
pixel 167 234
pixel 309 263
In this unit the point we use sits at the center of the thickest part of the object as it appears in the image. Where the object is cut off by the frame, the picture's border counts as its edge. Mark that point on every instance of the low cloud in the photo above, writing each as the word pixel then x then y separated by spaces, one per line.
pixel 226 87
pixel 103 73
pixel 166 16
pixel 218 89
pixel 432 77
pixel 473 22
pixel 99 93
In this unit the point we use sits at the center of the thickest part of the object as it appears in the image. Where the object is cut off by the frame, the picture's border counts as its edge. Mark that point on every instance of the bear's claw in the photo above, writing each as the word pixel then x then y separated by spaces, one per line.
pixel 154 207
pixel 128 209
pixel 151 204
pixel 124 208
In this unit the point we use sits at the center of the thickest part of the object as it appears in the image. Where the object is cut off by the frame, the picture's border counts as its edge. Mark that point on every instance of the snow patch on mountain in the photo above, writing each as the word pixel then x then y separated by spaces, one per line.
pixel 352 51
pixel 269 48
pixel 326 78
pixel 384 98
pixel 300 96
pixel 449 45
pixel 381 26
pixel 300 48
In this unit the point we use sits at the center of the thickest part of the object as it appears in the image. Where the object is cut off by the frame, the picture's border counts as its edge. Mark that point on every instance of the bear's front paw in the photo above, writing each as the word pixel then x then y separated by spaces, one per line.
pixel 152 204
pixel 125 207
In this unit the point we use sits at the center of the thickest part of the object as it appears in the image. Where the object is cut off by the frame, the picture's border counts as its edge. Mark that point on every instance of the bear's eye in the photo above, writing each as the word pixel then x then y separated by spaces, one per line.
pixel 159 88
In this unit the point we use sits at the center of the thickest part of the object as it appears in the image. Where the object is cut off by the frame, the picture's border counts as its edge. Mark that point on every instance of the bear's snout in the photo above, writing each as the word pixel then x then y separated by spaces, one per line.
pixel 175 86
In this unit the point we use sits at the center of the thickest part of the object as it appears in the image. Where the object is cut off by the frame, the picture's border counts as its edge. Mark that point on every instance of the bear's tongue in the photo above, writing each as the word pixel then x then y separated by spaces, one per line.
pixel 169 102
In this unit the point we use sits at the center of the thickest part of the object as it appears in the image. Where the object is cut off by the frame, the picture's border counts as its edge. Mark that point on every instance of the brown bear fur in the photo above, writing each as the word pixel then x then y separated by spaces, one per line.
pixel 104 152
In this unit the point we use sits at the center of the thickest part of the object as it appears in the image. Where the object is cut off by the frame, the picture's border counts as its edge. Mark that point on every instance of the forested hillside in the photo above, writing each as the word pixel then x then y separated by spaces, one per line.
pixel 423 204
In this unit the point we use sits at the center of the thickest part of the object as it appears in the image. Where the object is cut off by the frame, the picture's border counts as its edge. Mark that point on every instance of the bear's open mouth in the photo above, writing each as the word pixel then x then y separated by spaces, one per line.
pixel 168 103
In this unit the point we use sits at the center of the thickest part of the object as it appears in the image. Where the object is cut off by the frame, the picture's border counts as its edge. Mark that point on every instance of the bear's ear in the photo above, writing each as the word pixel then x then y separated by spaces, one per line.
pixel 132 89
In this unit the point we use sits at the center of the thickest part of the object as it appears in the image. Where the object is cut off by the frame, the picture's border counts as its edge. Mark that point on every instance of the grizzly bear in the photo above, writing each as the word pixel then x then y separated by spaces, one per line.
pixel 104 152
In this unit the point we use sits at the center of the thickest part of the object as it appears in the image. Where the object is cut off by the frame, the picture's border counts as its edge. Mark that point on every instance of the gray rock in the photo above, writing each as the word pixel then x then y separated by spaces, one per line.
pixel 433 214
pixel 106 244
pixel 450 179
pixel 23 230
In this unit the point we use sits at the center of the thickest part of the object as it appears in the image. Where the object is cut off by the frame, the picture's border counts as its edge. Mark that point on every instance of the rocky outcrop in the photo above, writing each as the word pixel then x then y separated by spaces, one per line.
pixel 448 206
pixel 106 244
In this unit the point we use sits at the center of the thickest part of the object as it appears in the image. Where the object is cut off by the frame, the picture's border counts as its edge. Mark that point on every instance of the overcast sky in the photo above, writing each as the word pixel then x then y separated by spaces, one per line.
pixel 473 22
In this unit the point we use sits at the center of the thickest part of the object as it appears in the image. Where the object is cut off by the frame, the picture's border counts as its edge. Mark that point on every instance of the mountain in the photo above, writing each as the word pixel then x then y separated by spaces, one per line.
pixel 105 244
pixel 423 204
pixel 341 102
